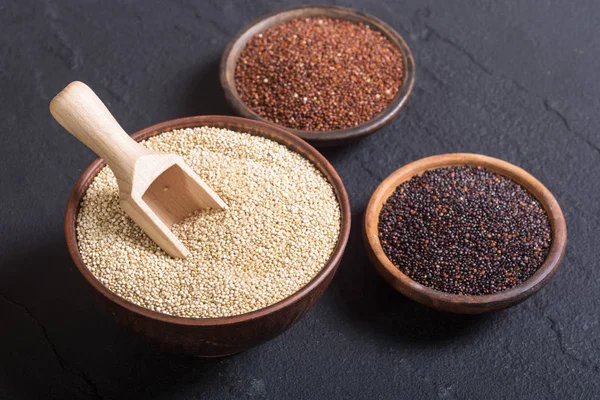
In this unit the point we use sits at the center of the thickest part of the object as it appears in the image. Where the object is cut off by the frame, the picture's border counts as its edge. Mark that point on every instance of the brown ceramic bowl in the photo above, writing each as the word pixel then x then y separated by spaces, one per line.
pixel 321 138
pixel 452 302
pixel 214 337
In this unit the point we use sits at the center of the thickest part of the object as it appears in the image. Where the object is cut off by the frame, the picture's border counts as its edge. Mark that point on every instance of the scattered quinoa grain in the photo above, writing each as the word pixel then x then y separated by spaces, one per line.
pixel 280 228
pixel 319 74
pixel 464 230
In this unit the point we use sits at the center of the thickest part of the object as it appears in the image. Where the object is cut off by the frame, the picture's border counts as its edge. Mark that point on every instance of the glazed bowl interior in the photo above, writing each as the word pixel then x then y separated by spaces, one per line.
pixel 235 124
pixel 238 44
pixel 461 303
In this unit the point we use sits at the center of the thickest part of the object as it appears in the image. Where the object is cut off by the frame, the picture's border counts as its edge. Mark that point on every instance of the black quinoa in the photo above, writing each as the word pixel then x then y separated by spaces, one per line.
pixel 464 230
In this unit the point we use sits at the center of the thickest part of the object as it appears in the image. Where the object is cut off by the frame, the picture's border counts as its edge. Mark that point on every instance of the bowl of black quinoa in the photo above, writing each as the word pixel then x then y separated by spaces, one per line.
pixel 464 233
pixel 328 74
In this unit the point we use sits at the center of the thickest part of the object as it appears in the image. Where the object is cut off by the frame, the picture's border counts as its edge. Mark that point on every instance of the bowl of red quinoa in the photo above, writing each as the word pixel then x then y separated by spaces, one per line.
pixel 328 74
pixel 464 233
pixel 173 330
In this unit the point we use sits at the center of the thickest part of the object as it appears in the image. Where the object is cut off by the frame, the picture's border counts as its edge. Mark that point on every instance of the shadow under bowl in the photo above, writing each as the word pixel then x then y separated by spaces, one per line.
pixel 319 138
pixel 215 337
pixel 460 303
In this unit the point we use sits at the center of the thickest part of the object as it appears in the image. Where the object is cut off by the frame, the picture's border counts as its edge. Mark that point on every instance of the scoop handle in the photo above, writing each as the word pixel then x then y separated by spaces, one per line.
pixel 84 115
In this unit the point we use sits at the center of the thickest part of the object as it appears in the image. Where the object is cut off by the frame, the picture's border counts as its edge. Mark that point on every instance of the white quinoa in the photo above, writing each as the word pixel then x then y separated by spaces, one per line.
pixel 280 228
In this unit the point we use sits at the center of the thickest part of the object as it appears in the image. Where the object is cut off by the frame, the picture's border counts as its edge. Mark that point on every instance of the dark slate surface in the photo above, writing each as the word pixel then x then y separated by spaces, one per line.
pixel 515 81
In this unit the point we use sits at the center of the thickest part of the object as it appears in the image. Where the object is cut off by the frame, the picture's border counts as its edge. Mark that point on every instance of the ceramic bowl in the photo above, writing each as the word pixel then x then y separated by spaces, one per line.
pixel 319 138
pixel 460 303
pixel 214 337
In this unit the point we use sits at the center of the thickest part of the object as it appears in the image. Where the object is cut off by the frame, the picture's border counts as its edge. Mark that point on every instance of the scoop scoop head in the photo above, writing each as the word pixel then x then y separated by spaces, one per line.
pixel 156 189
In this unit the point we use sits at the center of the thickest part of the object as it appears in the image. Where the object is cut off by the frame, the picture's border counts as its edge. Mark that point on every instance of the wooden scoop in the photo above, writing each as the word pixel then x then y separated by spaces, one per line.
pixel 155 189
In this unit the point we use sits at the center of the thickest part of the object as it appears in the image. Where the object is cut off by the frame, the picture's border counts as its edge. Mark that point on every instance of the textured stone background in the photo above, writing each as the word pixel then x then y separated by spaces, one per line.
pixel 514 80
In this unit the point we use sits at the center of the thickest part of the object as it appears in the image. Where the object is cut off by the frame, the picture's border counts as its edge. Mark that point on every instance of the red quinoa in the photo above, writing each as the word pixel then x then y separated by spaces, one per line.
pixel 319 74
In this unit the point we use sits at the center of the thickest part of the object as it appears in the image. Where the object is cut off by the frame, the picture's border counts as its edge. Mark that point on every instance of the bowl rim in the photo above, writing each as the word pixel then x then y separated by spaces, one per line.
pixel 453 302
pixel 230 57
pixel 279 135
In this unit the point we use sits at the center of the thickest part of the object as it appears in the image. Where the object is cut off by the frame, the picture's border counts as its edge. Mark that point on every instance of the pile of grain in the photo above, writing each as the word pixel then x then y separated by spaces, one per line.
pixel 280 228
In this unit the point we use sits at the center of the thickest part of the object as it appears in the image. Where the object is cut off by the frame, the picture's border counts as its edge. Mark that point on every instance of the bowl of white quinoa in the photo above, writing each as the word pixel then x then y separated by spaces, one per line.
pixel 254 268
